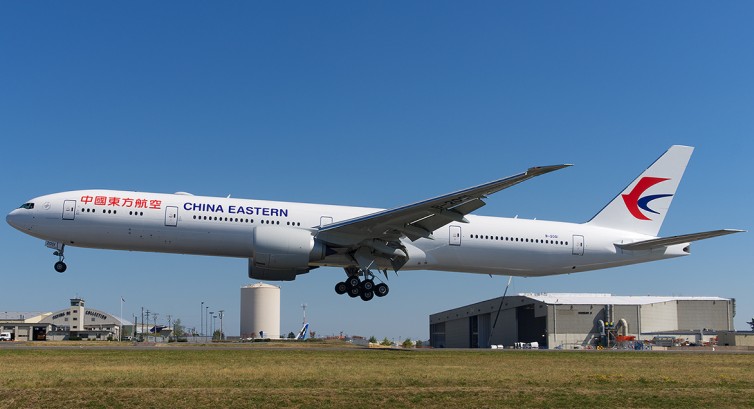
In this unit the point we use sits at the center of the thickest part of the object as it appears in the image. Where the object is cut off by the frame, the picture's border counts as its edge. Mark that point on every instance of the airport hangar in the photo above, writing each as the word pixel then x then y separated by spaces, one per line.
pixel 566 320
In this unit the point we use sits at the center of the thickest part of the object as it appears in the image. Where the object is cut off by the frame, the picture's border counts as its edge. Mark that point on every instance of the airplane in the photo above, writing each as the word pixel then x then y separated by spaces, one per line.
pixel 282 240
pixel 303 334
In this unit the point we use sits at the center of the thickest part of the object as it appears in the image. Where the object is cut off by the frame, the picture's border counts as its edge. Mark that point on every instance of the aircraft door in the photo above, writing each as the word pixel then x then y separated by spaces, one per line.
pixel 171 216
pixel 578 245
pixel 455 235
pixel 69 209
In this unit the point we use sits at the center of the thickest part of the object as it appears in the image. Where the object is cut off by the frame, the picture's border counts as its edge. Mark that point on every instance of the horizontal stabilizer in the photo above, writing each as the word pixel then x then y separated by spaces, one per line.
pixel 669 241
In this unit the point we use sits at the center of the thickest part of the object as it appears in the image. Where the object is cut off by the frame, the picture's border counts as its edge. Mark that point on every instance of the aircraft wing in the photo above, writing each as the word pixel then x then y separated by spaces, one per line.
pixel 380 232
pixel 669 241
pixel 422 218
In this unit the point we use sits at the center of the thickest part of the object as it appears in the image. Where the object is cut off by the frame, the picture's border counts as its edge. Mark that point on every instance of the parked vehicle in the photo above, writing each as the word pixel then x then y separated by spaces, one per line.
pixel 6 336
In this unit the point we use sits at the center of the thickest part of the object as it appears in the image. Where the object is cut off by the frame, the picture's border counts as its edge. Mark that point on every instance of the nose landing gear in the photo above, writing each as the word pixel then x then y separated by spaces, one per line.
pixel 60 265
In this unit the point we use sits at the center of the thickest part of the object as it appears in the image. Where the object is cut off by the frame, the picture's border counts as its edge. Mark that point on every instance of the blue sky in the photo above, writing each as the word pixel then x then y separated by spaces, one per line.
pixel 375 104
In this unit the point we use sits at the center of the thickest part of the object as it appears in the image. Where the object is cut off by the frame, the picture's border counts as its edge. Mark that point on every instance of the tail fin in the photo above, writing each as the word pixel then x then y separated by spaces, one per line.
pixel 642 206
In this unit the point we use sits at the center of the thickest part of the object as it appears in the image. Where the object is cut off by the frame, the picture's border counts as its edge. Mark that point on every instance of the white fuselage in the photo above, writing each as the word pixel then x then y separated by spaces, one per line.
pixel 187 224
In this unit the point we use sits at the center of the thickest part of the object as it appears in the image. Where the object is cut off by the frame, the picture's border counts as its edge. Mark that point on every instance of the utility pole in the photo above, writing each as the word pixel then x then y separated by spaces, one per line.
pixel 142 320
pixel 142 325
pixel 154 315
pixel 170 326
pixel 120 324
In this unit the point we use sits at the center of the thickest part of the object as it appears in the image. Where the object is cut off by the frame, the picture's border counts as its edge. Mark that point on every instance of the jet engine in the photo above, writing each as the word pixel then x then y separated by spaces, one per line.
pixel 282 253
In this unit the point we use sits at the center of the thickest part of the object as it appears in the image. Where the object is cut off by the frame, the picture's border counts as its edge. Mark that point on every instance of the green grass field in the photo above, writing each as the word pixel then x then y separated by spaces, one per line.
pixel 322 377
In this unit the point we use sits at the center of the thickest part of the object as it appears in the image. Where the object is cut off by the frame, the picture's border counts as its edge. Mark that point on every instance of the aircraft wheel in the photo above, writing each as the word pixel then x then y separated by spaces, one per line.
pixel 354 292
pixel 60 266
pixel 341 288
pixel 367 295
pixel 367 285
pixel 353 281
pixel 381 290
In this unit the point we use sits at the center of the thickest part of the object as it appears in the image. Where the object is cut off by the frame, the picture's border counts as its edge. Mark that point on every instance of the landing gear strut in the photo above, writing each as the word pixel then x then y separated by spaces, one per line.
pixel 60 265
pixel 365 289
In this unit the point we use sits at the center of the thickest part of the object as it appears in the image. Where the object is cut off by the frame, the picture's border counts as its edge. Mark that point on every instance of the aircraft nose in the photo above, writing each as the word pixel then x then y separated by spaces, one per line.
pixel 18 219
pixel 12 219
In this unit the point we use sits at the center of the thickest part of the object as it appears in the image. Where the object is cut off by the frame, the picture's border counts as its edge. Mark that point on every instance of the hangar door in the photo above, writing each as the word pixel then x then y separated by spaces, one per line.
pixel 530 327
pixel 39 333
pixel 479 331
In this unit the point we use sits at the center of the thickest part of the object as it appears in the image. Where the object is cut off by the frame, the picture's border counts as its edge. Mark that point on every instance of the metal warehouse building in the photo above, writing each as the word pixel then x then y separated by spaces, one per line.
pixel 564 320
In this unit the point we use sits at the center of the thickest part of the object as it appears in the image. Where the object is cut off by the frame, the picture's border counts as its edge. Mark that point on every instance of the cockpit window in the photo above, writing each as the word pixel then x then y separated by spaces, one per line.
pixel 27 206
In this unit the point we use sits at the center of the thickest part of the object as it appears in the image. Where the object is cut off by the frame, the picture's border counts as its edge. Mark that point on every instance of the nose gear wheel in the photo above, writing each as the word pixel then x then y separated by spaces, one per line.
pixel 60 265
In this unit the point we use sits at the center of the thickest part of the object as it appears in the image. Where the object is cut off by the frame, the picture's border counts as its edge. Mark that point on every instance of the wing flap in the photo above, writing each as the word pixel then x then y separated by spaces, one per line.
pixel 672 240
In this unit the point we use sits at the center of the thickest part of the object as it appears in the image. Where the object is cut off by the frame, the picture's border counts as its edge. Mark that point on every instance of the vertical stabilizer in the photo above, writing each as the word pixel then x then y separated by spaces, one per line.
pixel 642 206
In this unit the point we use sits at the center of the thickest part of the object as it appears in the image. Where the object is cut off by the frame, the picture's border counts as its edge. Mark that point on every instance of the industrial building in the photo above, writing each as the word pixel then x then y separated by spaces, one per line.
pixel 565 320
pixel 74 322
pixel 736 338
pixel 260 311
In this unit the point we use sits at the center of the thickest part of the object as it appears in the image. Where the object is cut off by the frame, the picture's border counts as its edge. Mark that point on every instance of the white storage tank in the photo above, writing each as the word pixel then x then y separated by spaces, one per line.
pixel 260 311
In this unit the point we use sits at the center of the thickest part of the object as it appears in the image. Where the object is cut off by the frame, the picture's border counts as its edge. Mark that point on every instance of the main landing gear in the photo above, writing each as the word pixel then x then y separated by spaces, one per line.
pixel 60 265
pixel 365 289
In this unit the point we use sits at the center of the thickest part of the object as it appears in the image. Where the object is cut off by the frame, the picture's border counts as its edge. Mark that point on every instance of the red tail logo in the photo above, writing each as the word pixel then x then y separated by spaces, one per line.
pixel 634 201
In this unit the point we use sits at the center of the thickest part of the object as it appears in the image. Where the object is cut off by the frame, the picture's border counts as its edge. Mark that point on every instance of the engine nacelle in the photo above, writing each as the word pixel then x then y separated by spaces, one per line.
pixel 281 253
pixel 269 274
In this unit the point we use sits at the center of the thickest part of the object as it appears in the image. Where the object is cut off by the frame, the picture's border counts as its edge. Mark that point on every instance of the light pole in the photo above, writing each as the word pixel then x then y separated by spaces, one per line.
pixel 201 319
pixel 120 324
pixel 213 327
pixel 222 334
pixel 206 323
pixel 142 320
